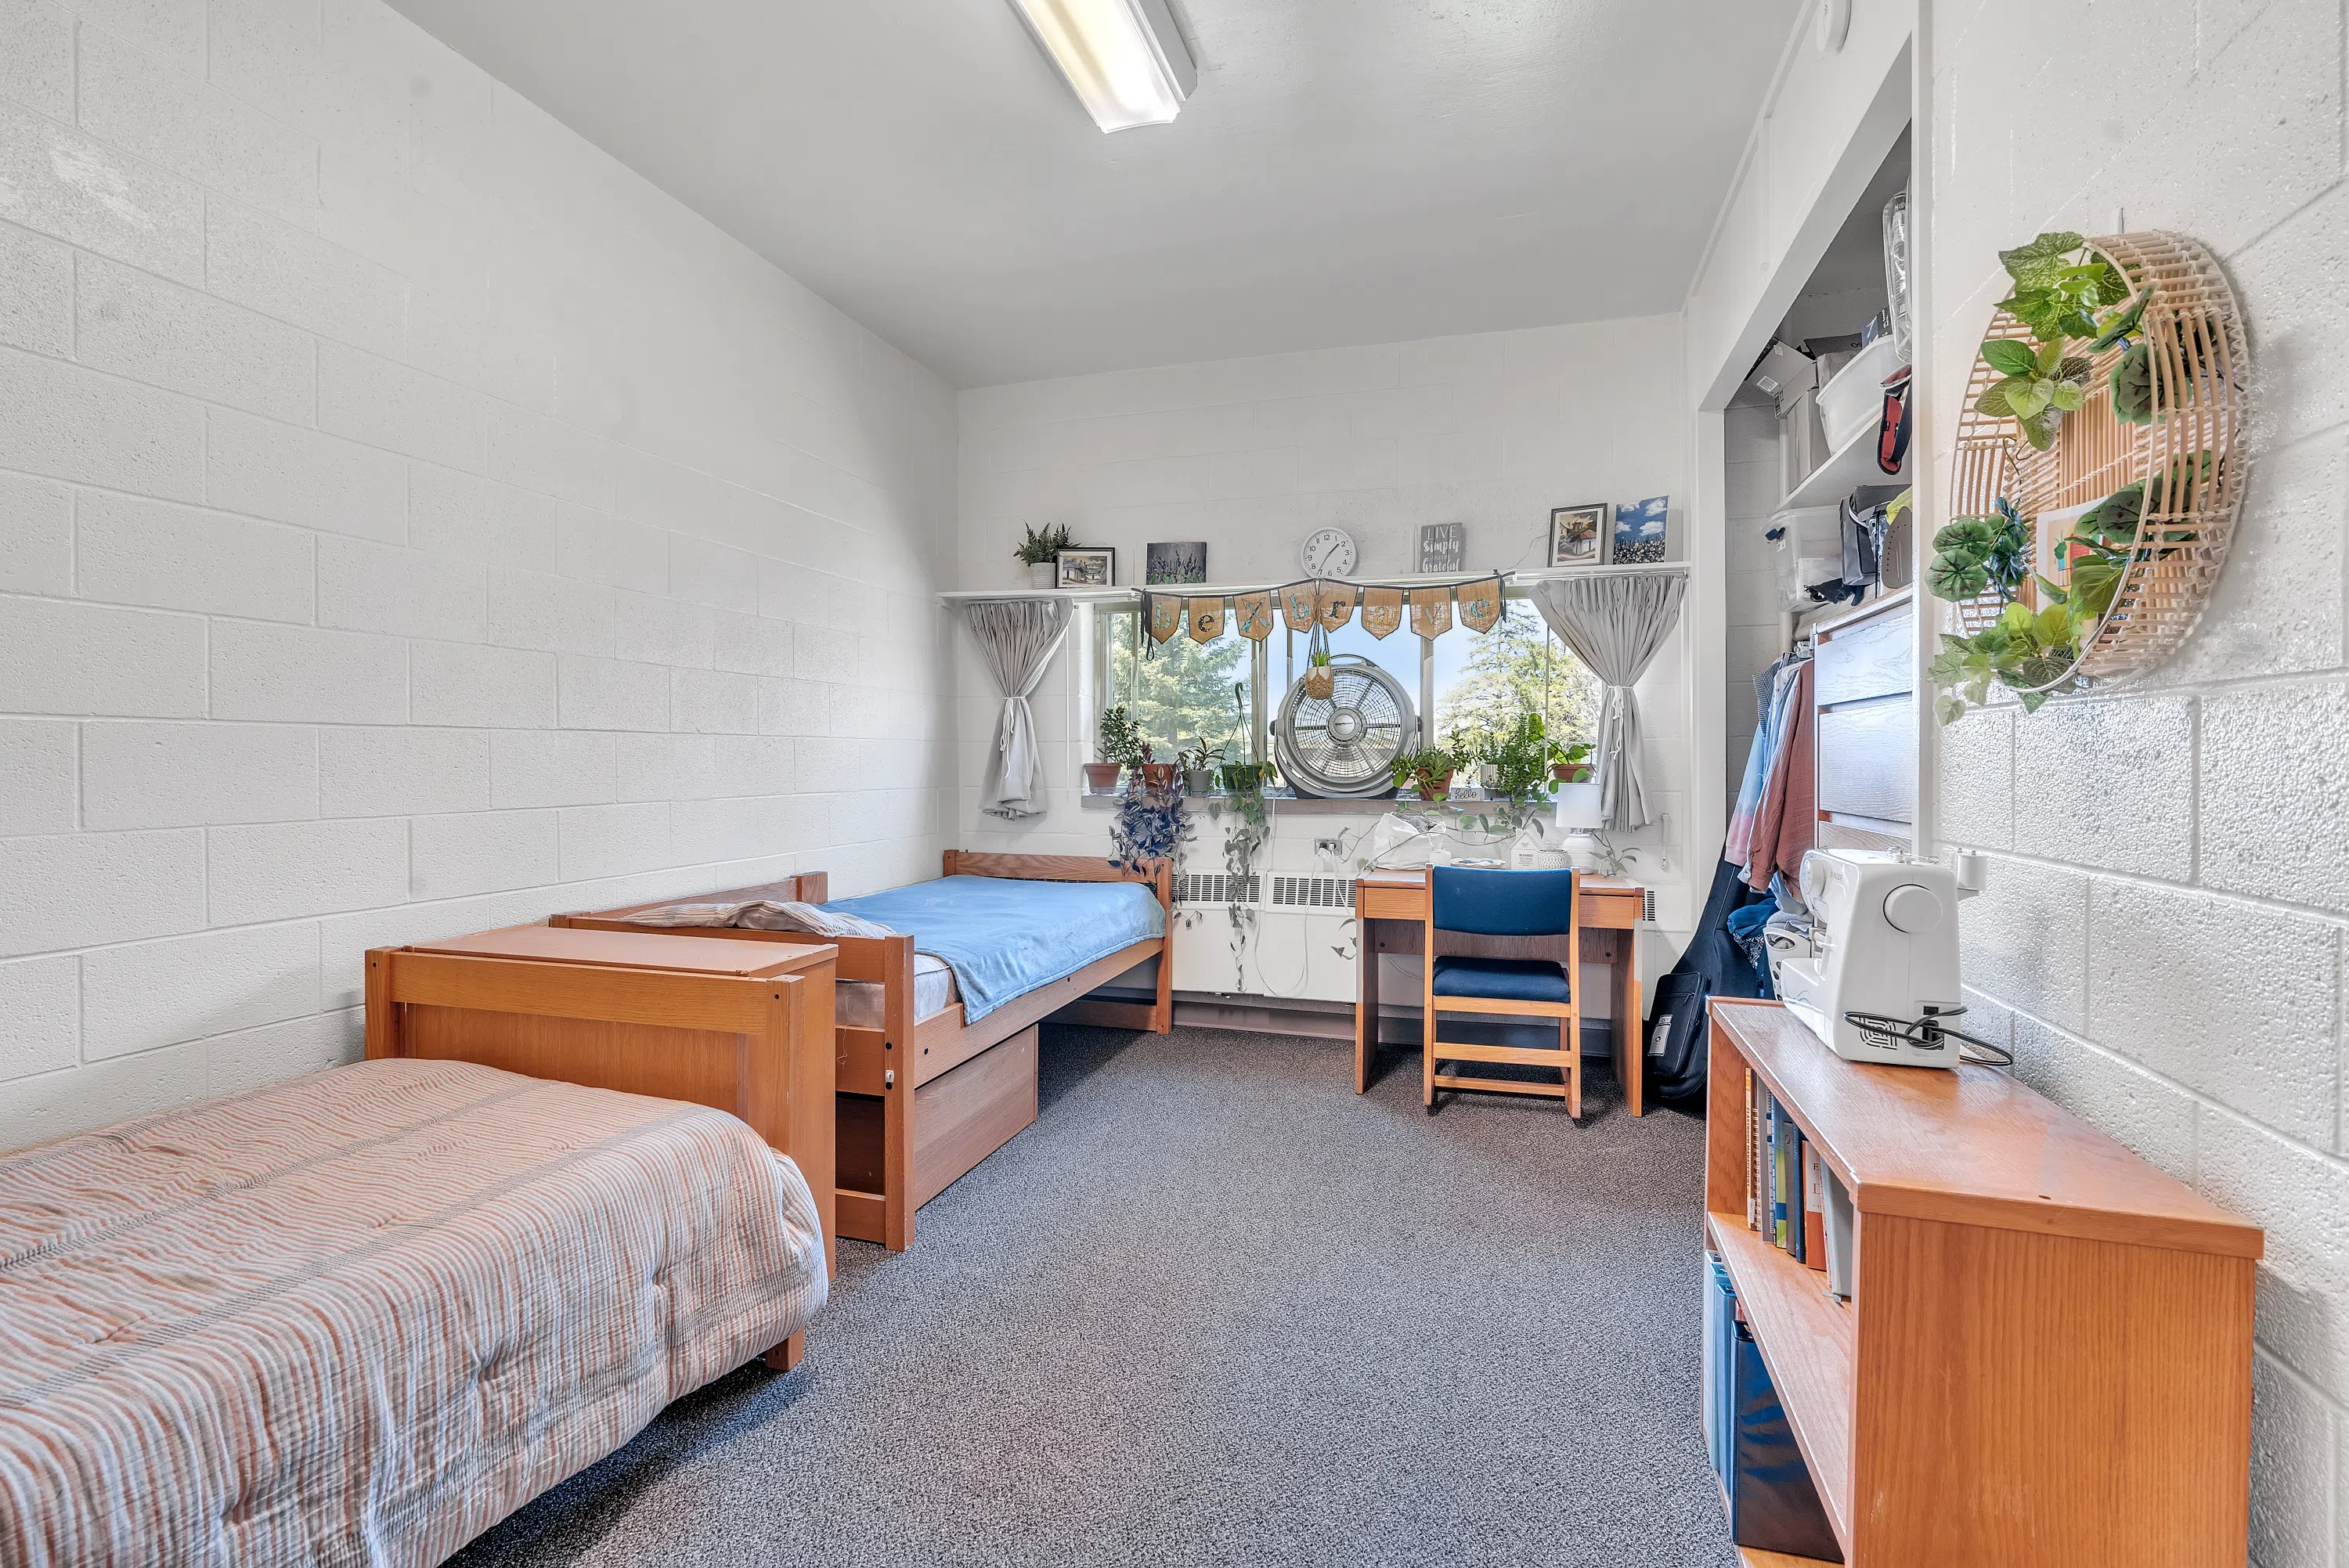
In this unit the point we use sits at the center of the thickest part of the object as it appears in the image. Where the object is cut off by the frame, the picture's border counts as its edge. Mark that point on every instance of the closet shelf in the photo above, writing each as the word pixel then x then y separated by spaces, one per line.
pixel 1852 466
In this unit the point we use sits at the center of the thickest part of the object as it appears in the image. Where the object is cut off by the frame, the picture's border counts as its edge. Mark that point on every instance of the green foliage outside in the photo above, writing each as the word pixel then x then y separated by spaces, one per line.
pixel 1182 696
pixel 1514 670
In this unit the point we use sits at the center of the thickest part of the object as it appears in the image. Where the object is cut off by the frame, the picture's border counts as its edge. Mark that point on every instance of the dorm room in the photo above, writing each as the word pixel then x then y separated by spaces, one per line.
pixel 715 719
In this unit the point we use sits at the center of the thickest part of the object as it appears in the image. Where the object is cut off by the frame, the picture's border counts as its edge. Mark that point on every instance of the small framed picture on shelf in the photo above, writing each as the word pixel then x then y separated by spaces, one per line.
pixel 1085 568
pixel 1578 535
pixel 1639 531
pixel 1443 547
pixel 1182 560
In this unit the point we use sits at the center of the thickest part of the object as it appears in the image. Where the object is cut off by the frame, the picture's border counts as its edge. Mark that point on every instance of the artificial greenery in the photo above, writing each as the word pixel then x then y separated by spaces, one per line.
pixel 1973 555
pixel 2021 650
pixel 1120 741
pixel 2057 300
pixel 1041 546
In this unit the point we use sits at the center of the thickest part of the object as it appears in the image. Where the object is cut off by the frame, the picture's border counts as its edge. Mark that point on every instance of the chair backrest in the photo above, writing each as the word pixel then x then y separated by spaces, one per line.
pixel 1499 902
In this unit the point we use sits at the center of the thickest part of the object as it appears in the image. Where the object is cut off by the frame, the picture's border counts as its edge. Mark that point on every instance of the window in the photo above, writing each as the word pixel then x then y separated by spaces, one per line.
pixel 1478 681
pixel 1184 693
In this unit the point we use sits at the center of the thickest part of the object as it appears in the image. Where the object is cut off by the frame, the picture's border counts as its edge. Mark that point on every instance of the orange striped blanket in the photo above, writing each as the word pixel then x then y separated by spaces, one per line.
pixel 361 1316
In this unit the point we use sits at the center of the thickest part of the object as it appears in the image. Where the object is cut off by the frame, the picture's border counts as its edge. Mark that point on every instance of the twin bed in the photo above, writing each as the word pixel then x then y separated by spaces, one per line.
pixel 935 1060
pixel 364 1314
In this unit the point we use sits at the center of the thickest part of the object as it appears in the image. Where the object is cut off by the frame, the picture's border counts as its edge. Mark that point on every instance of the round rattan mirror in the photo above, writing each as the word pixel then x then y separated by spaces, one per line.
pixel 2180 436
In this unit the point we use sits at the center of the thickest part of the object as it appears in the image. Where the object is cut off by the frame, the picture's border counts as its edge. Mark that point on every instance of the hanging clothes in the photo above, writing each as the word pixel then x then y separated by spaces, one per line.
pixel 1757 759
pixel 1787 825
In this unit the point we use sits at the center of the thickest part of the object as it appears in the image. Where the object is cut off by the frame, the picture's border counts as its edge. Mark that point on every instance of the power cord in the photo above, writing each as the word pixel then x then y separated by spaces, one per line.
pixel 1930 1034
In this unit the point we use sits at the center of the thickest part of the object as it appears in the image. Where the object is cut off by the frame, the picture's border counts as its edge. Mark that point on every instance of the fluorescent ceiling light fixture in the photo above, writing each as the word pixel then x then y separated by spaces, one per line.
pixel 1123 57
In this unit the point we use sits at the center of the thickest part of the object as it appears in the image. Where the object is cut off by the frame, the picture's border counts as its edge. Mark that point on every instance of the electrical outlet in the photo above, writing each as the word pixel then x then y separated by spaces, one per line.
pixel 1329 846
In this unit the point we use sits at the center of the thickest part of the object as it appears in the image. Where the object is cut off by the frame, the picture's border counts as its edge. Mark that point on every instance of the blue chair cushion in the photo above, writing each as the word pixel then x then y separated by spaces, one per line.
pixel 1502 979
pixel 1499 902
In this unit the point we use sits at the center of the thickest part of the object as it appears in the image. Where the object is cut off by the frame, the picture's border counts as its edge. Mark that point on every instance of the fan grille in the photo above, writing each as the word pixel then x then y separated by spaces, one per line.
pixel 1346 744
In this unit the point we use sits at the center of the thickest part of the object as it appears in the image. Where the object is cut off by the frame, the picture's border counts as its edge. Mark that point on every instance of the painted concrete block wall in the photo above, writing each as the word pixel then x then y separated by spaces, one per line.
pixel 410 521
pixel 1750 572
pixel 1253 454
pixel 2162 937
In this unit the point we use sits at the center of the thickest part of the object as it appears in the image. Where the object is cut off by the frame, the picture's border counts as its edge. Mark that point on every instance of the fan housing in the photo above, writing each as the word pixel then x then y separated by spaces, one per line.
pixel 1343 747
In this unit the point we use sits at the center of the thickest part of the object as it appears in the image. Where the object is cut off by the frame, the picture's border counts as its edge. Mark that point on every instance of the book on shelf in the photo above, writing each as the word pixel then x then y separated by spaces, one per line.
pixel 1835 1237
pixel 1815 1177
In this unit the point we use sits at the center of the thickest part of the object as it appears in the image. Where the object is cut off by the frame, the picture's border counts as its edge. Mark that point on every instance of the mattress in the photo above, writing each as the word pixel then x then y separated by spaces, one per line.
pixel 857 1004
pixel 1004 936
pixel 358 1317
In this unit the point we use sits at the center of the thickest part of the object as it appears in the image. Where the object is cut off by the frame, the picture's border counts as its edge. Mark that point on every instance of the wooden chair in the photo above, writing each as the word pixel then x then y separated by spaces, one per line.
pixel 1524 918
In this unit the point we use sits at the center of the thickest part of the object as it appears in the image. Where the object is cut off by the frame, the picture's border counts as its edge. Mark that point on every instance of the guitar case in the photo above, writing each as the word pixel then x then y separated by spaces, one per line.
pixel 1713 965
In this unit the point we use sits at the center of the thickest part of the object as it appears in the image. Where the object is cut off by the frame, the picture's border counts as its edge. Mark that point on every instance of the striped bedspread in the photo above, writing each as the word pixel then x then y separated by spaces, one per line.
pixel 357 1318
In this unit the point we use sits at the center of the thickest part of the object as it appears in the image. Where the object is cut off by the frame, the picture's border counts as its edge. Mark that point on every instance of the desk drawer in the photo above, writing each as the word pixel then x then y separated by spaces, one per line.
pixel 1378 900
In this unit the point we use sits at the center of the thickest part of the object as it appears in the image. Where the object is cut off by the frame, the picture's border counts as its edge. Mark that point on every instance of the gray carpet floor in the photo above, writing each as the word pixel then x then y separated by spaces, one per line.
pixel 1216 1308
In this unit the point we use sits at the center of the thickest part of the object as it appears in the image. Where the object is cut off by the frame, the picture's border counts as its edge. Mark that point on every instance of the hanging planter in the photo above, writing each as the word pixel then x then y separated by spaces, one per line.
pixel 2098 472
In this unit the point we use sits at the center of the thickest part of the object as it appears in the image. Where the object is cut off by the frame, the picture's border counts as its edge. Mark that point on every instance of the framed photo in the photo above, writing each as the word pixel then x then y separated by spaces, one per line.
pixel 1182 560
pixel 1578 535
pixel 1639 531
pixel 1085 568
pixel 1443 547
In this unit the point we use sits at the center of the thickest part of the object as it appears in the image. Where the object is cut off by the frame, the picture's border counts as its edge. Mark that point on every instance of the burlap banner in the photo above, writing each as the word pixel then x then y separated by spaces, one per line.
pixel 1165 616
pixel 1333 604
pixel 1430 611
pixel 1296 606
pixel 1381 611
pixel 1255 615
pixel 1206 618
pixel 1480 605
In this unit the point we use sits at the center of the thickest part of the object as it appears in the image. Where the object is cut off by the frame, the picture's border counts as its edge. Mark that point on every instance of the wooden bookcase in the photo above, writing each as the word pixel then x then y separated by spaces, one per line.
pixel 2047 1355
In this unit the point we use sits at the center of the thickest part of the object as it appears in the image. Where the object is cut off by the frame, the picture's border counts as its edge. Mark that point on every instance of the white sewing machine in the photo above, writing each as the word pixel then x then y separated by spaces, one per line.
pixel 1882 949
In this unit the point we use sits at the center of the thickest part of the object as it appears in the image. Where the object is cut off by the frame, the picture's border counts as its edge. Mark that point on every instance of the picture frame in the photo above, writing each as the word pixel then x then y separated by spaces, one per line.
pixel 1641 532
pixel 1180 560
pixel 1087 566
pixel 1579 536
pixel 1442 547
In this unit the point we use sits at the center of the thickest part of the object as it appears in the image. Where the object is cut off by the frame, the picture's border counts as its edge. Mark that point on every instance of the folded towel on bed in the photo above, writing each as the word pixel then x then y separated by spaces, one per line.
pixel 763 915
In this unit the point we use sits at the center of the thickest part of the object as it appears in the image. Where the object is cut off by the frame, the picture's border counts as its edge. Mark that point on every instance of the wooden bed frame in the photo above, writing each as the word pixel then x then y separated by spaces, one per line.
pixel 746 1028
pixel 897 1150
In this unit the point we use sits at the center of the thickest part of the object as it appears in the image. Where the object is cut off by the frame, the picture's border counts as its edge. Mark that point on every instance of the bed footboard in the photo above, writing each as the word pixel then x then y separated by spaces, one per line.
pixel 758 1046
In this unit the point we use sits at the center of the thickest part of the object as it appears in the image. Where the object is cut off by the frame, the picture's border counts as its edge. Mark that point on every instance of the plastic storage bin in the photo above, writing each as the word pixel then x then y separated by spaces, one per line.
pixel 1854 401
pixel 1809 549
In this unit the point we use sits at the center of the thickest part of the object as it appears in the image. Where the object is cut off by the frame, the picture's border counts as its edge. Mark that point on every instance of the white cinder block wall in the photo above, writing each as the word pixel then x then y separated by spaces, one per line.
pixel 1253 454
pixel 2169 883
pixel 410 522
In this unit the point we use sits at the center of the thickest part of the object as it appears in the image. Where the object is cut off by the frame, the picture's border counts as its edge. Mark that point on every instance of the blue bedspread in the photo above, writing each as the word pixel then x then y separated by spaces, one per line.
pixel 1003 938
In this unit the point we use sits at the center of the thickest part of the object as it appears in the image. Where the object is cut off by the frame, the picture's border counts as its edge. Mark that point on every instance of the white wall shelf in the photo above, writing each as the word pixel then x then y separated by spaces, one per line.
pixel 1852 466
pixel 1207 589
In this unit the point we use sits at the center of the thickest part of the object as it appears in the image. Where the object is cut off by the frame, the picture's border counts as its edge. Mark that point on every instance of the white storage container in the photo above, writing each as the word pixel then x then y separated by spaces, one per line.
pixel 1853 402
pixel 1809 550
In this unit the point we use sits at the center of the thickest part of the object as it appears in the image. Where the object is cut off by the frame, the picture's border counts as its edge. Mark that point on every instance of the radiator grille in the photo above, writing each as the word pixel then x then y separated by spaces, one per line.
pixel 1216 887
pixel 1648 905
pixel 1313 893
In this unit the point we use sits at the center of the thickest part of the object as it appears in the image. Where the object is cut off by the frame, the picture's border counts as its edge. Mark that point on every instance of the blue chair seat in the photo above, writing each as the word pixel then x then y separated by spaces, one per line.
pixel 1501 979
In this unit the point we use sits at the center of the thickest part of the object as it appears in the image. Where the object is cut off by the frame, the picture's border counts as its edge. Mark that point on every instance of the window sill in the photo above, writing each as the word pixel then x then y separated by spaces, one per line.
pixel 1291 805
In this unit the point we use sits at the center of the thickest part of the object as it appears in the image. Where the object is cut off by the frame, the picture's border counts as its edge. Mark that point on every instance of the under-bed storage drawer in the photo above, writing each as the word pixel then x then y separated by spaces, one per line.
pixel 963 1116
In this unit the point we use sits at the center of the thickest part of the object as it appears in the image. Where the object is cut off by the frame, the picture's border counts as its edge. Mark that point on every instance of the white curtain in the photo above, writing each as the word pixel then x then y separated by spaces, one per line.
pixel 1017 638
pixel 1614 622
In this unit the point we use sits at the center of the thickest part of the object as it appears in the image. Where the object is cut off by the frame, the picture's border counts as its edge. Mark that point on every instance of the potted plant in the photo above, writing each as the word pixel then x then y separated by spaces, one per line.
pixel 1198 767
pixel 1570 764
pixel 1429 768
pixel 1320 680
pixel 1121 747
pixel 1038 553
pixel 1246 777
pixel 1150 775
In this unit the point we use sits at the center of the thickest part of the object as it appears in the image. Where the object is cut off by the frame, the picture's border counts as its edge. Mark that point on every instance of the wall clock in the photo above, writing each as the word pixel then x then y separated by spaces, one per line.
pixel 1327 552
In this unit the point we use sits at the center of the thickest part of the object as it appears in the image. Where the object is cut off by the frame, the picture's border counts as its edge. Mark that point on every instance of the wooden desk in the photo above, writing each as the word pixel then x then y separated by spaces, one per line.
pixel 1390 913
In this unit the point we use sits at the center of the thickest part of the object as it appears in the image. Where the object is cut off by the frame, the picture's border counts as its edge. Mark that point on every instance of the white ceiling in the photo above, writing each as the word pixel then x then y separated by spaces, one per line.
pixel 1348 171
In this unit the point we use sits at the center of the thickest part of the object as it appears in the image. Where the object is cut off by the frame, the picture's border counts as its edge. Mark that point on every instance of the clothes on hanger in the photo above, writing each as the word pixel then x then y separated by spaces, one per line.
pixel 1785 825
pixel 1768 690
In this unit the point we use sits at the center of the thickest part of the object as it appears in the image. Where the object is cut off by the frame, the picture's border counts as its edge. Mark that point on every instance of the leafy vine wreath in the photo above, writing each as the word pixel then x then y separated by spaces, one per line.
pixel 2098 472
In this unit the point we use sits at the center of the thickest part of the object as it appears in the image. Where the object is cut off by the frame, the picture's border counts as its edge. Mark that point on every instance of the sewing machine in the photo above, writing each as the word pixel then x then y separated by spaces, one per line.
pixel 1875 974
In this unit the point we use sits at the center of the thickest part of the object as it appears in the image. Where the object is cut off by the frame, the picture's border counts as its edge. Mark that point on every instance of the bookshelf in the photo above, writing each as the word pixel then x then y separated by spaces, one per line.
pixel 2047 1354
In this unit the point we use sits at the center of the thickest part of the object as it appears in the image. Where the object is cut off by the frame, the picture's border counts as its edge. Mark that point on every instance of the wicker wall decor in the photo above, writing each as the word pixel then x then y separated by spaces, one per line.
pixel 2191 457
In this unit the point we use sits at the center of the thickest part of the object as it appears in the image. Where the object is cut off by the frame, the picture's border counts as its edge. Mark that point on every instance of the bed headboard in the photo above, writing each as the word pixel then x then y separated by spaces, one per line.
pixel 1158 874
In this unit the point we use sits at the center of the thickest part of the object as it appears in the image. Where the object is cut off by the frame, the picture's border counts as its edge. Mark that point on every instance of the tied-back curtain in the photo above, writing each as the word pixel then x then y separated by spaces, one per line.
pixel 1615 623
pixel 1019 638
